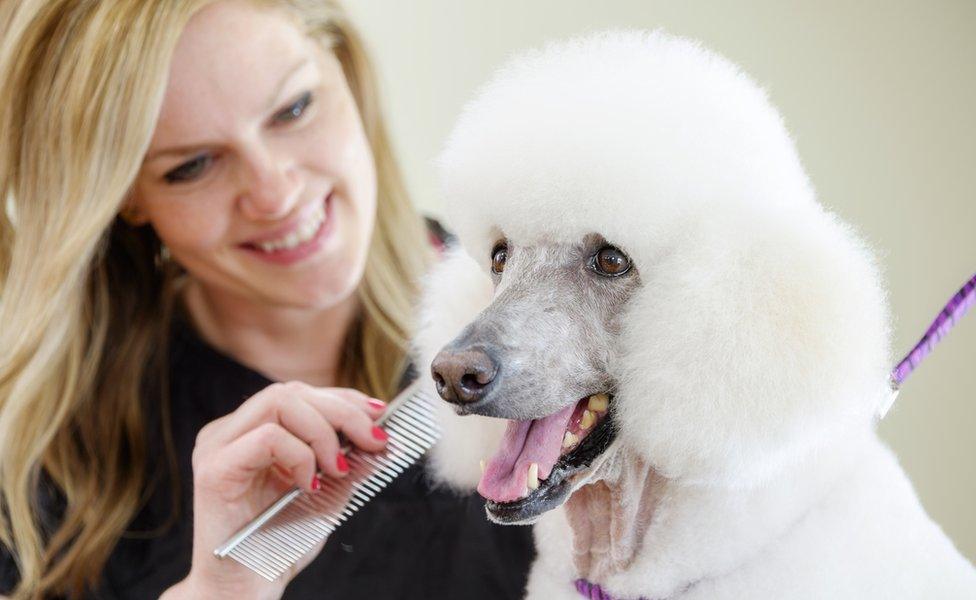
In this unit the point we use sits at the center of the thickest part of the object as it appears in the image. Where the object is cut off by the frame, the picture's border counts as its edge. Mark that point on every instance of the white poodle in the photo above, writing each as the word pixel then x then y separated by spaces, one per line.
pixel 671 356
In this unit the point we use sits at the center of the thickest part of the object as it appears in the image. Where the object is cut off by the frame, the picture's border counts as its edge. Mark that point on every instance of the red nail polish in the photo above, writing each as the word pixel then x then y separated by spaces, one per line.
pixel 377 404
pixel 341 463
pixel 380 434
pixel 316 484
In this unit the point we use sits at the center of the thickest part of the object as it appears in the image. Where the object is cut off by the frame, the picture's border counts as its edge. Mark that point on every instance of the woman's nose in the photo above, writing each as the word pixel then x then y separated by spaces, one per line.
pixel 272 186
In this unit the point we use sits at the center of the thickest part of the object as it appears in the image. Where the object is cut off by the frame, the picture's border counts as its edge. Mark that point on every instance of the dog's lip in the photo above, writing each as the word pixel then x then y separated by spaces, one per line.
pixel 475 408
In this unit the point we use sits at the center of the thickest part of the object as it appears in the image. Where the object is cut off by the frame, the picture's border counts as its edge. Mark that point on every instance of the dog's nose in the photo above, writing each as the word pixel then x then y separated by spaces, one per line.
pixel 463 377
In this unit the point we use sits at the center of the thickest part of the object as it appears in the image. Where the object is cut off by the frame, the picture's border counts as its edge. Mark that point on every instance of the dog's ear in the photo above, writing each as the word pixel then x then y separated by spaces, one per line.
pixel 761 334
pixel 453 294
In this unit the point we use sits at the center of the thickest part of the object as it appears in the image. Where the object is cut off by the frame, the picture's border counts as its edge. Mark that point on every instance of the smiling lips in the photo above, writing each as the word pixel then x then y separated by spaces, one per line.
pixel 302 239
pixel 305 231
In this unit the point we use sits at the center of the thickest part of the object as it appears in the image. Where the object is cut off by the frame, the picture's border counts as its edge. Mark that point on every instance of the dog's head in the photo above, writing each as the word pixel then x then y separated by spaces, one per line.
pixel 541 356
pixel 643 235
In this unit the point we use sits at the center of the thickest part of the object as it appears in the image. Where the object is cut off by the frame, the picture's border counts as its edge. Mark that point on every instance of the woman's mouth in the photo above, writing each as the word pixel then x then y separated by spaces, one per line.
pixel 301 241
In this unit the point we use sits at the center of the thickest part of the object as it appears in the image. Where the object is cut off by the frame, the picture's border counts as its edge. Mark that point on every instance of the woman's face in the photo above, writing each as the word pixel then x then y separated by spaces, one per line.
pixel 259 177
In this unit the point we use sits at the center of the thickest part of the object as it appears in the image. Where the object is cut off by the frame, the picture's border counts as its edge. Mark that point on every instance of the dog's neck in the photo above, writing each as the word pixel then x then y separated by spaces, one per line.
pixel 632 523
pixel 610 517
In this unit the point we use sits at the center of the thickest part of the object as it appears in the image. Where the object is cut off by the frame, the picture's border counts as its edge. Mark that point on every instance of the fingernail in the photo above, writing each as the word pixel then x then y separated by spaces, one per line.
pixel 380 434
pixel 316 484
pixel 342 464
pixel 377 404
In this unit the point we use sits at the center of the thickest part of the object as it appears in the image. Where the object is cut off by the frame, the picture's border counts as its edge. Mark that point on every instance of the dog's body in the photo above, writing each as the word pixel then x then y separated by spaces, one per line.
pixel 840 526
pixel 642 233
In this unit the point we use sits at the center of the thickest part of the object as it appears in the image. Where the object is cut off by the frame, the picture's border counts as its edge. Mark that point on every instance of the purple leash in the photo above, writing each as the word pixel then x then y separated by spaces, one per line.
pixel 950 315
pixel 954 309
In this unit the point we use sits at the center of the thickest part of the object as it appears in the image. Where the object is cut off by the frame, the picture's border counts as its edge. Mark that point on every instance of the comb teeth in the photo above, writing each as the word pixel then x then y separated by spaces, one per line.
pixel 299 521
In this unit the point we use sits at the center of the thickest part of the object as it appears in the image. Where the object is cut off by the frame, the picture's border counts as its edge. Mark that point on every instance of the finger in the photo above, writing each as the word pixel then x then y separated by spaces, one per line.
pixel 286 403
pixel 350 419
pixel 303 420
pixel 373 406
pixel 270 444
pixel 263 407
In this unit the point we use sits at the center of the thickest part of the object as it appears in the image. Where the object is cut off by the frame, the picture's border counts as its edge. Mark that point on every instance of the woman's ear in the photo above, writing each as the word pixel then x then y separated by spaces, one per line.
pixel 132 212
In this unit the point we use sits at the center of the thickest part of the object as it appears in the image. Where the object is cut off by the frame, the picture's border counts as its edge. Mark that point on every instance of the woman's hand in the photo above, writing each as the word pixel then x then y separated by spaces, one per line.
pixel 244 461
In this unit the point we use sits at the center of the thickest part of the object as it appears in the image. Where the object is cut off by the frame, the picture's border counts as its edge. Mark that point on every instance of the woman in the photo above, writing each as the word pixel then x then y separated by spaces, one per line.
pixel 199 201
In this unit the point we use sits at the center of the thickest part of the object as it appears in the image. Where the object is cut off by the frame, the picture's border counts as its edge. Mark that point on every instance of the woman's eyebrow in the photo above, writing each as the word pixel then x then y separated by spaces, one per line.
pixel 175 151
pixel 284 81
pixel 189 148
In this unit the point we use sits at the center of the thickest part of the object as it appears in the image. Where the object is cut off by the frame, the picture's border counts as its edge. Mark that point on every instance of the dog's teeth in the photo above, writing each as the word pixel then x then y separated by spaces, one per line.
pixel 533 481
pixel 598 402
pixel 587 421
pixel 569 440
pixel 483 466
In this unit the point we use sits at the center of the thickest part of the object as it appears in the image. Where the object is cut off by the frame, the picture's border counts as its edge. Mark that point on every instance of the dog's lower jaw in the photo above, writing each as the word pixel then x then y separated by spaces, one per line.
pixel 528 510
pixel 609 516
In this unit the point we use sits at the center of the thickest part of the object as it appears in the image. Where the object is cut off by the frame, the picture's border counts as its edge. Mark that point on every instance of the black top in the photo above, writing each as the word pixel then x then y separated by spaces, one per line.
pixel 412 541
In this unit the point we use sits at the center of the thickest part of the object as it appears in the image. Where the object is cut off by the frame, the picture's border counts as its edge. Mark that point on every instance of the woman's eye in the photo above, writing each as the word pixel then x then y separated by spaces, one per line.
pixel 190 170
pixel 294 111
pixel 498 256
pixel 610 261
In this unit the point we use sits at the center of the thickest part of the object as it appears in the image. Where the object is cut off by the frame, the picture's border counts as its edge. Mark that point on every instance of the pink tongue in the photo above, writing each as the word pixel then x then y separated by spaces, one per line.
pixel 525 442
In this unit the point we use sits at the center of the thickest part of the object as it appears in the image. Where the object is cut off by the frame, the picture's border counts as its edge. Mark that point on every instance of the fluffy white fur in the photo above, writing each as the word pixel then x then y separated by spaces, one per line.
pixel 755 355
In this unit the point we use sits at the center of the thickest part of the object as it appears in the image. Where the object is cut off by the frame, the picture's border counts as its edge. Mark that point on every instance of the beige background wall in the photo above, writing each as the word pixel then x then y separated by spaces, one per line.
pixel 881 99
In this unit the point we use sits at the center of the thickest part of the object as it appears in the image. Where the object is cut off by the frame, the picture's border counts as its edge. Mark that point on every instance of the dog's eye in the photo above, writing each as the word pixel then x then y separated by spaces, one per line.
pixel 611 262
pixel 498 256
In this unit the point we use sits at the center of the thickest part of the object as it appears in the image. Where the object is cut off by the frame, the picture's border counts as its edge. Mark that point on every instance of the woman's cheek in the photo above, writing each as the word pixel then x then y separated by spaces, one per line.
pixel 336 140
pixel 192 224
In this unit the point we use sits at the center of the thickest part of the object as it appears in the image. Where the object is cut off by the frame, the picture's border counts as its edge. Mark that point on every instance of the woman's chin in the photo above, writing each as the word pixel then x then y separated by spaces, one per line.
pixel 321 298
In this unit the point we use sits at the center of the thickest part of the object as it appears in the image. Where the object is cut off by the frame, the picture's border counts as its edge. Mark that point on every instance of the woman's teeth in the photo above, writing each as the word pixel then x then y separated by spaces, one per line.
pixel 305 231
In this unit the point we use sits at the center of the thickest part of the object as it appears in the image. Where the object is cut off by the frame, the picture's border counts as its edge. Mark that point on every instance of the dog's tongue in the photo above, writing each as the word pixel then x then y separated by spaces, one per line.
pixel 525 442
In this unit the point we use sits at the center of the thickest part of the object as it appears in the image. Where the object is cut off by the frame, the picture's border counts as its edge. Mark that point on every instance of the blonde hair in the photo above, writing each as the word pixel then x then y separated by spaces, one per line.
pixel 85 299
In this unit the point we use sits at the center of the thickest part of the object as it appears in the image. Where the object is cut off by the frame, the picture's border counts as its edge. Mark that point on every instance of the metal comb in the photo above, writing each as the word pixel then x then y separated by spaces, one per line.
pixel 276 540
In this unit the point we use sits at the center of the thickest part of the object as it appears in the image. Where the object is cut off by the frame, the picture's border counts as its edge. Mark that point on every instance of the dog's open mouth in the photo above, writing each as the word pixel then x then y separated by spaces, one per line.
pixel 533 469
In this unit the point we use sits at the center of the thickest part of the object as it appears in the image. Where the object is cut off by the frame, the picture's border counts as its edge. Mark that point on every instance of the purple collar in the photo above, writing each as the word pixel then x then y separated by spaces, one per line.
pixel 594 591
